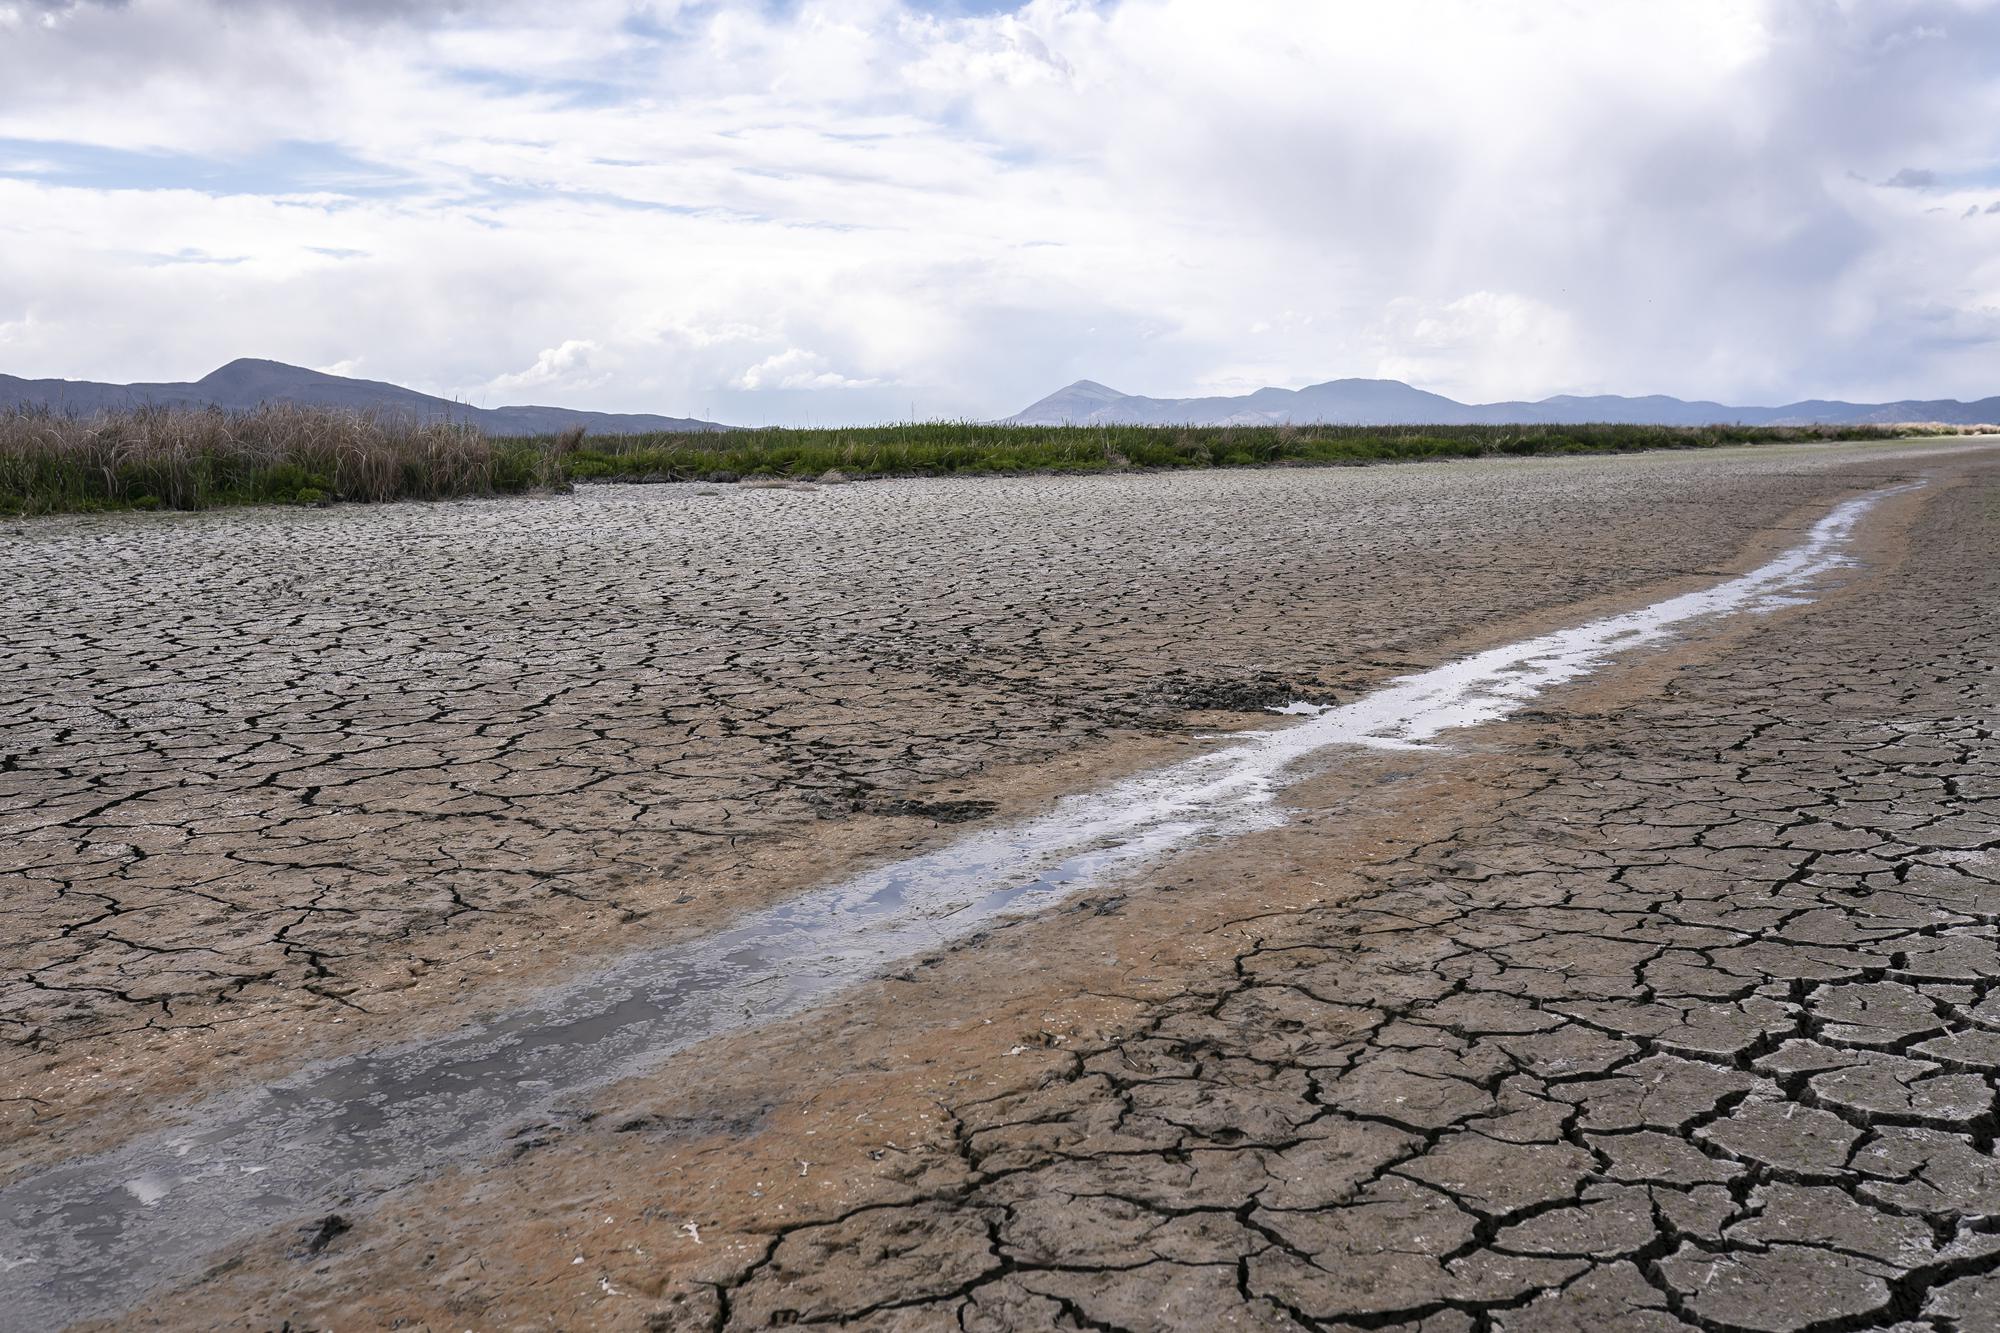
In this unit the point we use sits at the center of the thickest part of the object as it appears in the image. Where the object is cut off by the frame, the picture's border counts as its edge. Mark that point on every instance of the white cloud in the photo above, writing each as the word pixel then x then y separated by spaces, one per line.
pixel 569 363
pixel 664 206
pixel 794 368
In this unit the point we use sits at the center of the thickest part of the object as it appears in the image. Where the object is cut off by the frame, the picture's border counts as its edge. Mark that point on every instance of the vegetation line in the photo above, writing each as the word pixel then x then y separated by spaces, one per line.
pixel 178 458
pixel 951 448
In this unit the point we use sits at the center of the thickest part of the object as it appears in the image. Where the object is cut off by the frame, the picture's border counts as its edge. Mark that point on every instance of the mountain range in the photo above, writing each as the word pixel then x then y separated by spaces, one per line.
pixel 1359 402
pixel 248 383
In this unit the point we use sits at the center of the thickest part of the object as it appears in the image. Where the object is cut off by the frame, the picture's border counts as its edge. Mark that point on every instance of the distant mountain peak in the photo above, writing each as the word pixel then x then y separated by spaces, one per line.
pixel 249 377
pixel 1089 389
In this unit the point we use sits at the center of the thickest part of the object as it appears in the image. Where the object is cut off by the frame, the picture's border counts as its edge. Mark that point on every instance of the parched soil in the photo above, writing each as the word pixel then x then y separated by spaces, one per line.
pixel 279 784
pixel 1673 1013
pixel 1664 1006
pixel 1697 1028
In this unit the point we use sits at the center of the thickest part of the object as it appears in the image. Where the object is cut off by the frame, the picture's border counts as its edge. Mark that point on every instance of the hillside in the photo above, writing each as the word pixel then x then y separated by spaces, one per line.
pixel 248 383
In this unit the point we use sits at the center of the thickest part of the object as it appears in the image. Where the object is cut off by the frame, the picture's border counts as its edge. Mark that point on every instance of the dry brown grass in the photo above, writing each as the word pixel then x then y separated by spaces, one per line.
pixel 180 458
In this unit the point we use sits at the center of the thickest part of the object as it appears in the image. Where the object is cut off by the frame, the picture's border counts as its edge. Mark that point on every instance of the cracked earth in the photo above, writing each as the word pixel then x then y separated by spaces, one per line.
pixel 1670 1005
pixel 1701 1031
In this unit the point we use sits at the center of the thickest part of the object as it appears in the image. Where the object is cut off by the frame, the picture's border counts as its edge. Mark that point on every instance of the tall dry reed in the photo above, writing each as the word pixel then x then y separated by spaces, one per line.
pixel 182 458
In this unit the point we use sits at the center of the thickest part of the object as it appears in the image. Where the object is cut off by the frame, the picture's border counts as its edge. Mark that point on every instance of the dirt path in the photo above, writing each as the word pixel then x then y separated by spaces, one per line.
pixel 1662 1007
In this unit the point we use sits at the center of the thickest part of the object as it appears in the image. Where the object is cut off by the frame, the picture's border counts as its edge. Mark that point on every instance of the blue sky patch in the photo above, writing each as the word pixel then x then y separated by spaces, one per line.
pixel 288 167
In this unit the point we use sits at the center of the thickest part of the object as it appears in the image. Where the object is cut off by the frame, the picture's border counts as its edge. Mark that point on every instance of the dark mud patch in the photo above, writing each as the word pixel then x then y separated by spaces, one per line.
pixel 1260 692
pixel 320 1234
pixel 942 812
pixel 734 1125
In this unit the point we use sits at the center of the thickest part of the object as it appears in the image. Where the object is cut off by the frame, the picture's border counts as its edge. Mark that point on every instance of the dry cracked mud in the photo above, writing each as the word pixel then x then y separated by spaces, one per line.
pixel 1699 1030
pixel 1666 1006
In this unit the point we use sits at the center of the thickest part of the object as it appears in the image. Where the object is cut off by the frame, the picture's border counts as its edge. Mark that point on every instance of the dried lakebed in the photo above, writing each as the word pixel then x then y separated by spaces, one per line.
pixel 93 1234
pixel 280 785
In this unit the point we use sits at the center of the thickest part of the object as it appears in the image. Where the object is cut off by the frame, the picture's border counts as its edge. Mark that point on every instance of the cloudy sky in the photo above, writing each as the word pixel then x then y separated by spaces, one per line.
pixel 857 210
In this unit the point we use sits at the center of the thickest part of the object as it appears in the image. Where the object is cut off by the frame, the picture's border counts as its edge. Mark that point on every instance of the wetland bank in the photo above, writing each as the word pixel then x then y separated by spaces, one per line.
pixel 294 807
